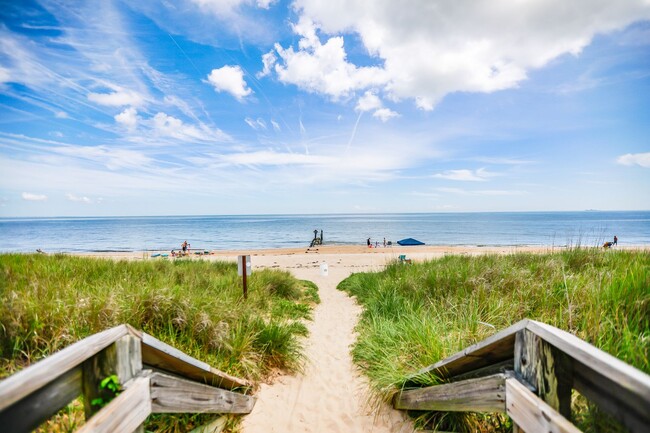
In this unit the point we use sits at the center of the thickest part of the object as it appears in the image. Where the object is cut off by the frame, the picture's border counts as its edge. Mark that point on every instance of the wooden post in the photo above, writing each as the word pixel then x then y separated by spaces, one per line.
pixel 546 369
pixel 123 358
pixel 243 273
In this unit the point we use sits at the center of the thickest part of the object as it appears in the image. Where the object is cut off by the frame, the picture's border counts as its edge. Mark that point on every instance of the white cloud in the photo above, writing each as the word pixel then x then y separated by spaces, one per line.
pixel 369 101
pixel 228 7
pixel 113 159
pixel 119 98
pixel 164 125
pixel 430 49
pixel 256 124
pixel 276 126
pixel 230 79
pixel 640 159
pixel 128 118
pixel 479 175
pixel 73 197
pixel 487 192
pixel 4 75
pixel 34 197
pixel 265 4
pixel 323 68
pixel 274 158
pixel 61 115
pixel 268 60
pixel 385 114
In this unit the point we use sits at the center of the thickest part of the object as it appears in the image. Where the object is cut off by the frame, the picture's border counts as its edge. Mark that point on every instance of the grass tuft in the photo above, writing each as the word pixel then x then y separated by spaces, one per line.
pixel 49 302
pixel 416 315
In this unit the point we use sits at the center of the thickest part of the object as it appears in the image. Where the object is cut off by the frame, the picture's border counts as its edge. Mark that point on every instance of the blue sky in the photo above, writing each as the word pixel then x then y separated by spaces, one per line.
pixel 311 106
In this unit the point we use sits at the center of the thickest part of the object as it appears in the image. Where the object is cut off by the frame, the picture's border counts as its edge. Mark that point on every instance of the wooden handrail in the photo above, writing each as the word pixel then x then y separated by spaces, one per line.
pixel 35 393
pixel 546 362
pixel 34 377
pixel 492 350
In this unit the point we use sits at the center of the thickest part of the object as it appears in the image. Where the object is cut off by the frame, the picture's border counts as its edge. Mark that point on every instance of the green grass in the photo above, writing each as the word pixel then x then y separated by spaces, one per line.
pixel 49 302
pixel 416 315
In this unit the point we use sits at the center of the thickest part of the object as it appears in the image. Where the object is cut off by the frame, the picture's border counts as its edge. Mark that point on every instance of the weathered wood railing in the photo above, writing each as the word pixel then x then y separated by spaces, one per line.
pixel 529 371
pixel 155 377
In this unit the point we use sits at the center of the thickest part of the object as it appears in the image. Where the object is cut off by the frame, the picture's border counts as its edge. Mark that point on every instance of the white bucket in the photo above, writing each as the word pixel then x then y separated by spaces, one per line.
pixel 323 269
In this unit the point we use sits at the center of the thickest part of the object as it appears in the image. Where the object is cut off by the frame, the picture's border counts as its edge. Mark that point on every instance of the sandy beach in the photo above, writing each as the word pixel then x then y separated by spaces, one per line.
pixel 330 394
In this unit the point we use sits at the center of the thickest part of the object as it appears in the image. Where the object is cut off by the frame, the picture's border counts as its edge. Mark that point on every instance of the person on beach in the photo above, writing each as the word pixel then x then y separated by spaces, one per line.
pixel 384 242
pixel 368 241
pixel 184 247
pixel 615 240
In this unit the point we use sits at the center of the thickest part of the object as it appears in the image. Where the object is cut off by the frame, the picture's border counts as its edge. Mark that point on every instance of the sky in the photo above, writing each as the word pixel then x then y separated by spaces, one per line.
pixel 222 107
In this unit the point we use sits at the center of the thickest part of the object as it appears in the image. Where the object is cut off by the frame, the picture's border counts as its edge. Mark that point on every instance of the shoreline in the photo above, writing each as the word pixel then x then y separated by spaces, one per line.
pixel 359 253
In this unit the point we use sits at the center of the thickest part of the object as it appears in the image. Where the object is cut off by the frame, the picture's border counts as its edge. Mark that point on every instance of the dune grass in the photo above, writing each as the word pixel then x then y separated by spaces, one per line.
pixel 416 315
pixel 49 302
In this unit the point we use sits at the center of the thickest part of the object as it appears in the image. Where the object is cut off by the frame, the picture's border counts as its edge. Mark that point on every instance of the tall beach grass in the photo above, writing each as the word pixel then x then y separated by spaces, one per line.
pixel 49 302
pixel 416 315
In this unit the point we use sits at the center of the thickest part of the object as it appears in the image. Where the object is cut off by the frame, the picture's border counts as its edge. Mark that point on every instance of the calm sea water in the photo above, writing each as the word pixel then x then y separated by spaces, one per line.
pixel 282 231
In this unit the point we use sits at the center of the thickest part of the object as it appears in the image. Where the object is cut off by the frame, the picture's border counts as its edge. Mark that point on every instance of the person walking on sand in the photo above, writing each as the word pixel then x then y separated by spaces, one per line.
pixel 615 240
pixel 368 241
pixel 384 242
pixel 184 247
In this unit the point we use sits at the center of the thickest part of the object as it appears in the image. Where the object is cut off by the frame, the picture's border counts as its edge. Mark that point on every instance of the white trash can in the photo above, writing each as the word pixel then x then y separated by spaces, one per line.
pixel 323 269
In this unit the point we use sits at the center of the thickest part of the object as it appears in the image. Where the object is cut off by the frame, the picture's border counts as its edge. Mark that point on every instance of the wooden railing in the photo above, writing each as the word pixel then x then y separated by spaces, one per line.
pixel 154 377
pixel 529 371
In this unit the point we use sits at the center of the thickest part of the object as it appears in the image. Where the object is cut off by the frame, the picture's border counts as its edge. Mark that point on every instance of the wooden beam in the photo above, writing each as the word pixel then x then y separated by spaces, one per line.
pixel 616 387
pixel 532 414
pixel 30 412
pixel 485 394
pixel 34 377
pixel 546 369
pixel 122 358
pixel 500 367
pixel 173 395
pixel 494 349
pixel 125 413
pixel 160 355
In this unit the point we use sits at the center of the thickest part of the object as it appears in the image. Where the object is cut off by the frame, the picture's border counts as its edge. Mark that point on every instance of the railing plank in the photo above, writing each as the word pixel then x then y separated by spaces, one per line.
pixel 173 395
pixel 157 354
pixel 34 377
pixel 618 388
pixel 531 414
pixel 125 413
pixel 547 369
pixel 122 358
pixel 31 411
pixel 495 349
pixel 500 367
pixel 486 394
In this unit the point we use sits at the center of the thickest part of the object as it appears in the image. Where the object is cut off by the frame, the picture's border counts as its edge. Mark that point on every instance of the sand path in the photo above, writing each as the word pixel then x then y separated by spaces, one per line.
pixel 330 395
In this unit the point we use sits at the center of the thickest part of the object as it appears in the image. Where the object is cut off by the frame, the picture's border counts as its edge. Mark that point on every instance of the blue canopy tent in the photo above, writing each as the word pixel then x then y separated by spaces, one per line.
pixel 409 242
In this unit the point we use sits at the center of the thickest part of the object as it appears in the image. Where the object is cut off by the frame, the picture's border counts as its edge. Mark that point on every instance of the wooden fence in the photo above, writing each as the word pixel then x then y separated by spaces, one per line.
pixel 529 371
pixel 155 378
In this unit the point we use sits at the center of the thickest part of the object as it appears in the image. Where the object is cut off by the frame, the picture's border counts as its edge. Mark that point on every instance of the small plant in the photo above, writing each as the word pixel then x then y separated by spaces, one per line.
pixel 111 386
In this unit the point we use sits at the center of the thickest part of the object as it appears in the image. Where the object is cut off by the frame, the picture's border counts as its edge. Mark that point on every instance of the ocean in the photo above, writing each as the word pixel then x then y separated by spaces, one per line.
pixel 251 232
